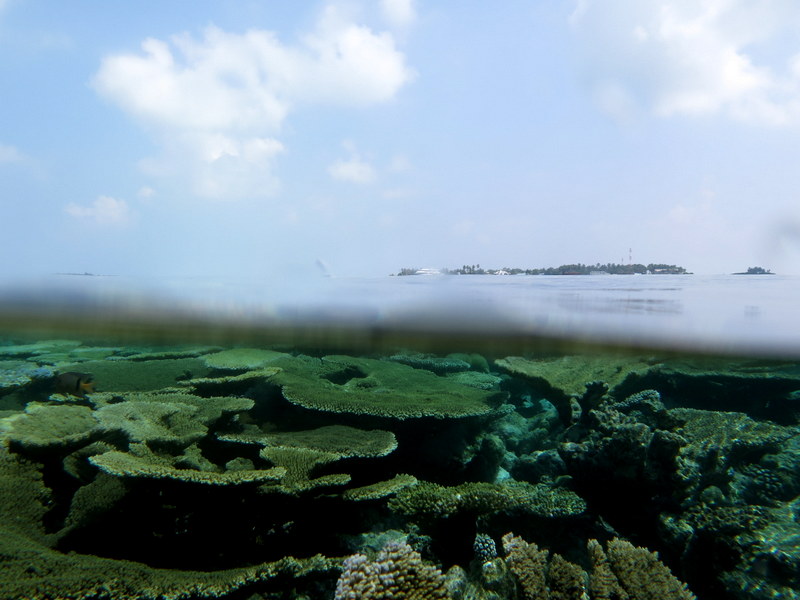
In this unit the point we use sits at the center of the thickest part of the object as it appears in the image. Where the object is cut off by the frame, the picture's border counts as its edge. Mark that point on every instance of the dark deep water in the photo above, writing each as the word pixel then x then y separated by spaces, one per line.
pixel 422 437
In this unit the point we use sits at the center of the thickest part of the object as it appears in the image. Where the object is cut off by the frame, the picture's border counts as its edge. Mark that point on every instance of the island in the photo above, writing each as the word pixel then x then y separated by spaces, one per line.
pixel 572 269
pixel 756 271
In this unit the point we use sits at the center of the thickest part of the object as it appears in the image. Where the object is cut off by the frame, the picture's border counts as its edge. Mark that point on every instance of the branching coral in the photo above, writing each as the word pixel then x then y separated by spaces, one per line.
pixel 397 573
pixel 625 572
pixel 642 575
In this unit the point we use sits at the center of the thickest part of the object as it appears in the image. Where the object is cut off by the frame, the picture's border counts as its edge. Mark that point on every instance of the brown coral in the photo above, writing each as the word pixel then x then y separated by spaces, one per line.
pixel 624 573
pixel 528 563
pixel 398 572
pixel 642 575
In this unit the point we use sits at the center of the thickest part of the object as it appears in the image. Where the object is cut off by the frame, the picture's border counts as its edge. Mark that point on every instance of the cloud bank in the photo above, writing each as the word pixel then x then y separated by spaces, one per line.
pixel 216 104
pixel 679 57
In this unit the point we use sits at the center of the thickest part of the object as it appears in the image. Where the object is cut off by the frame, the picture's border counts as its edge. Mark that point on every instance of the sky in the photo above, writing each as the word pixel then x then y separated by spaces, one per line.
pixel 257 139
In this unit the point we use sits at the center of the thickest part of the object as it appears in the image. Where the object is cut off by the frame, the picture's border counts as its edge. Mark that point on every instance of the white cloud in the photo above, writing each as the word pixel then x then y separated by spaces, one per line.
pixel 10 154
pixel 353 170
pixel 680 57
pixel 399 13
pixel 217 103
pixel 400 164
pixel 105 210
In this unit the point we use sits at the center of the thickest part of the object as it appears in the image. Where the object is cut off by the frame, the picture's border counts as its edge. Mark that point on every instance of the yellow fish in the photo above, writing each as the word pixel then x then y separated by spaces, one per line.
pixel 75 384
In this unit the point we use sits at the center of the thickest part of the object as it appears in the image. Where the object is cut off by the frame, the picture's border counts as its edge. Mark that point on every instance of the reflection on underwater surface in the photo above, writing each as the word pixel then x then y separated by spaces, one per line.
pixel 350 457
pixel 716 314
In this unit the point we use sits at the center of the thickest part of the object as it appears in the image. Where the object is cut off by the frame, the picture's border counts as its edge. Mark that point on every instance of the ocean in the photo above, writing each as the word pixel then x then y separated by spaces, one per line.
pixel 429 436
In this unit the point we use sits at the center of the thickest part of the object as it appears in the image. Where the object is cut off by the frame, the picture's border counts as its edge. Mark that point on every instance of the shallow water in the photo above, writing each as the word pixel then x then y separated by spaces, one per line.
pixel 242 441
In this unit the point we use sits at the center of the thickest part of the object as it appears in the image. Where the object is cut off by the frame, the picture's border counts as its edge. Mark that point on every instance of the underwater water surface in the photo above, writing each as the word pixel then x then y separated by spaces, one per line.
pixel 465 437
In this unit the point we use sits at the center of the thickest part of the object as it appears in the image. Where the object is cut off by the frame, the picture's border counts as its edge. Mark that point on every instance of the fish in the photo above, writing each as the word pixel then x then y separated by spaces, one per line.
pixel 75 384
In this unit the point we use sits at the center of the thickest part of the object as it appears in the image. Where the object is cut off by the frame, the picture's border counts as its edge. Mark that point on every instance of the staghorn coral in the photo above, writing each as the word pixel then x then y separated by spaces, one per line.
pixel 397 573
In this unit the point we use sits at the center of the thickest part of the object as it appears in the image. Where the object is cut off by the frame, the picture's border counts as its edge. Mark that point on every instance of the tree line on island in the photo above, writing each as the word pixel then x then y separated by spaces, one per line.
pixel 571 269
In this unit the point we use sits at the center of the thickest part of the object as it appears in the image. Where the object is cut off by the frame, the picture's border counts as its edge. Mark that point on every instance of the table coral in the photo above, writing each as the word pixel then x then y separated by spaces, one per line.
pixel 44 426
pixel 342 384
pixel 124 464
pixel 241 359
pixel 138 376
pixel 342 440
pixel 430 500
pixel 568 375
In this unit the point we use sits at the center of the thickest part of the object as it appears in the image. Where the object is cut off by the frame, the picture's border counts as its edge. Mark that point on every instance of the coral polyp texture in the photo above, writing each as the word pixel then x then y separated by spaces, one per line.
pixel 363 386
pixel 199 472
pixel 397 572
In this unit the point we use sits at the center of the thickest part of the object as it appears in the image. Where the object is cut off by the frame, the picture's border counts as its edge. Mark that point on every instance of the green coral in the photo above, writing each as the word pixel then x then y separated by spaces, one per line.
pixel 568 375
pixel 39 349
pixel 242 359
pixel 44 426
pixel 341 440
pixel 152 466
pixel 343 384
pixel 227 383
pixel 138 376
pixel 430 500
pixel 155 422
pixel 435 364
pixel 32 571
pixel 380 489
pixel 299 465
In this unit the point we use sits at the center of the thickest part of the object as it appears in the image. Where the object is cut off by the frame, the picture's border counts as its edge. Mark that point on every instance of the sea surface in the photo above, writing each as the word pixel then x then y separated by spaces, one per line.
pixel 465 437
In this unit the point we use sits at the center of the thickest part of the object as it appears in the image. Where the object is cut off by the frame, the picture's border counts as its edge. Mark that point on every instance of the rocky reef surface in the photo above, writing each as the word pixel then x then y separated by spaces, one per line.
pixel 251 473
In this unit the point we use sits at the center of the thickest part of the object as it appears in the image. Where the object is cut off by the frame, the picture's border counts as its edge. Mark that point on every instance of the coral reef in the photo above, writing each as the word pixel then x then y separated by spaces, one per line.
pixel 362 386
pixel 429 500
pixel 212 472
pixel 241 359
pixel 624 571
pixel 398 572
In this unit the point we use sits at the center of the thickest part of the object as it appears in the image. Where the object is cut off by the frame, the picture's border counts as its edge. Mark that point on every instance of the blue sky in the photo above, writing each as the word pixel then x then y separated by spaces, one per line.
pixel 250 139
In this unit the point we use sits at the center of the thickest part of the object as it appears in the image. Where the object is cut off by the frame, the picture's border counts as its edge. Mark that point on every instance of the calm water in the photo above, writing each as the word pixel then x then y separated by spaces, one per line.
pixel 196 439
